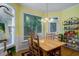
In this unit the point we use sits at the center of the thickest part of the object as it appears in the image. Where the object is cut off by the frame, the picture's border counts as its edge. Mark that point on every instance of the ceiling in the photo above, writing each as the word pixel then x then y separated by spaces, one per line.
pixel 49 7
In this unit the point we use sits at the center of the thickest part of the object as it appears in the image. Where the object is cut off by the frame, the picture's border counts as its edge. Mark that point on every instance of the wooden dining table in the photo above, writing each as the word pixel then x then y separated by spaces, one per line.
pixel 48 44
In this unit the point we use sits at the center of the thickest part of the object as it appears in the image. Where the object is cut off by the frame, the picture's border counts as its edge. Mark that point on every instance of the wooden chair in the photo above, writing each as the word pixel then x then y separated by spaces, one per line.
pixel 56 37
pixel 34 46
pixel 34 49
pixel 30 43
pixel 29 51
pixel 49 36
pixel 57 51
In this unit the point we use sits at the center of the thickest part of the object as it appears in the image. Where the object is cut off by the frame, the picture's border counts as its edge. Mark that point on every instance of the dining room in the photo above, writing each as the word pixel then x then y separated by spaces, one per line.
pixel 39 29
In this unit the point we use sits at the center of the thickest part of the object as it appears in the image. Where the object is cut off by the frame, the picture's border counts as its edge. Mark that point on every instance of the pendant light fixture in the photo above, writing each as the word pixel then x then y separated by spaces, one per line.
pixel 47 18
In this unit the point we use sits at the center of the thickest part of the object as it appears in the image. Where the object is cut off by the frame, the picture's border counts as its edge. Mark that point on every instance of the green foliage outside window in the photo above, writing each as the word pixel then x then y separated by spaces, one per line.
pixel 2 27
pixel 32 23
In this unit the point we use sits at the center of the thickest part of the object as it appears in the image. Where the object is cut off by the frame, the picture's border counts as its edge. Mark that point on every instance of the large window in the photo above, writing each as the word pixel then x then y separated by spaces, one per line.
pixel 53 25
pixel 31 23
pixel 9 26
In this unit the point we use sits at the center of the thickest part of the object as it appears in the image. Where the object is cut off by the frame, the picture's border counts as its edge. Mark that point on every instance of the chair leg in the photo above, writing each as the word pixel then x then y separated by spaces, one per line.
pixel 57 52
pixel 60 51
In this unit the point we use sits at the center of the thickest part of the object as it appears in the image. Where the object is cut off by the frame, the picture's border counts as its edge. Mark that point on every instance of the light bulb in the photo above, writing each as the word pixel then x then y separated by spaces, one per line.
pixel 43 20
pixel 46 19
pixel 51 20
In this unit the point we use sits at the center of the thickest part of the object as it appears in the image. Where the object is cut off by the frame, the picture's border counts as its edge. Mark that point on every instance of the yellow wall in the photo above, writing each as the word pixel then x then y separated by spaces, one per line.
pixel 64 15
pixel 51 15
pixel 70 12
pixel 19 10
pixel 29 11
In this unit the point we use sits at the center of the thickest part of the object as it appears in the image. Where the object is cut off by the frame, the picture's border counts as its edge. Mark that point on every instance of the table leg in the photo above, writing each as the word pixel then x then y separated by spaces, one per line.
pixel 59 51
pixel 45 53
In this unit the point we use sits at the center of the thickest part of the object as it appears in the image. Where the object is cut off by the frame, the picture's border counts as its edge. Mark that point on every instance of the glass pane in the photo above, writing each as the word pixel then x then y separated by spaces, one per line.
pixel 31 23
pixel 52 27
pixel 26 25
pixel 39 27
pixel 10 35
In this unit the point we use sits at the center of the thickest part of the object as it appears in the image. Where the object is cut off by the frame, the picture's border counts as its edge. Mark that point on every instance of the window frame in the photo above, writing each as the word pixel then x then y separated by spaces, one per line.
pixel 23 26
pixel 13 18
pixel 55 27
pixel 53 22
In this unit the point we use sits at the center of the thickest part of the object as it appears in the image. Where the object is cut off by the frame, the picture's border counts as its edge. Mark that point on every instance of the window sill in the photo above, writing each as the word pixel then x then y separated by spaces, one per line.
pixel 24 41
pixel 8 46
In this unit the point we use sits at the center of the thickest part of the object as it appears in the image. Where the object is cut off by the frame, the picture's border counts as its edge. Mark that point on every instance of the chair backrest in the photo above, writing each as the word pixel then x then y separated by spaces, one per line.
pixel 52 36
pixel 49 36
pixel 55 36
pixel 30 42
pixel 34 46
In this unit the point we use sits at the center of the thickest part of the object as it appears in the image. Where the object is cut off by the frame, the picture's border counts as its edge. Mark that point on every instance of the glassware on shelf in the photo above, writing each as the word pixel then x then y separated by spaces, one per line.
pixel 71 27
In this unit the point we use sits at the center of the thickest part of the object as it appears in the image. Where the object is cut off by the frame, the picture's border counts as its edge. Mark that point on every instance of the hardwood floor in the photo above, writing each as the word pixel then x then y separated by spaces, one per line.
pixel 69 52
pixel 20 52
pixel 64 52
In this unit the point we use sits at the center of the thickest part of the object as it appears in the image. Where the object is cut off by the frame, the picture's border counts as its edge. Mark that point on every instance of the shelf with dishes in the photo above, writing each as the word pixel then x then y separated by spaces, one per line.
pixel 73 48
pixel 71 27
pixel 72 21
pixel 73 44
pixel 71 33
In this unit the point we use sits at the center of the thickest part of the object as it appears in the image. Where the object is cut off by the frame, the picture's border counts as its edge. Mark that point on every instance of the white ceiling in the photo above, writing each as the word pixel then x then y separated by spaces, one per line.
pixel 52 7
